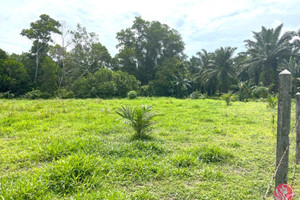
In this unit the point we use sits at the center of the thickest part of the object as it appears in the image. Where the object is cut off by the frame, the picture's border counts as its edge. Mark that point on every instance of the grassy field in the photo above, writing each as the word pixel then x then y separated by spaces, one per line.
pixel 79 149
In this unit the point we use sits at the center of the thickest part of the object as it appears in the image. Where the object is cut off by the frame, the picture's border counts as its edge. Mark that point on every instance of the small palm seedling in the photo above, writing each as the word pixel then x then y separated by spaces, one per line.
pixel 227 97
pixel 139 118
pixel 272 103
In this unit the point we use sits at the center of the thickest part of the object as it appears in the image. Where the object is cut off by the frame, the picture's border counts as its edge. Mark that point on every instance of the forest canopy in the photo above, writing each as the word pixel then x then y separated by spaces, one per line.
pixel 150 60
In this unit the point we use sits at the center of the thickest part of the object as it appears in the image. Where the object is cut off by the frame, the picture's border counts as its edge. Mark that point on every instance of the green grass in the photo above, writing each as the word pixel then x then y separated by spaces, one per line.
pixel 79 149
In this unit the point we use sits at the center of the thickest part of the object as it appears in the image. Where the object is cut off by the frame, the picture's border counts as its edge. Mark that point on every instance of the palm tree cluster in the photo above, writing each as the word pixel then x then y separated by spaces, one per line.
pixel 269 52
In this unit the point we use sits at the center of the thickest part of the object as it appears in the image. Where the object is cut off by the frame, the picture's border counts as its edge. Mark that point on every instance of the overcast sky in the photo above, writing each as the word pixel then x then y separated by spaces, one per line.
pixel 203 24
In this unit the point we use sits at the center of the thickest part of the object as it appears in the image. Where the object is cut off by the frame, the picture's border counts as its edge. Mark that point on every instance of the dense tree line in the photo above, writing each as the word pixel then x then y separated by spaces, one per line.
pixel 150 60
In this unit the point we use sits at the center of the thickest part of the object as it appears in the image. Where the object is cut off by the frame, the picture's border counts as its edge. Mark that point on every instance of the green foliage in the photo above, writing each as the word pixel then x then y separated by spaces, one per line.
pixel 183 160
pixel 64 94
pixel 13 77
pixel 170 79
pixel 34 94
pixel 212 154
pixel 144 90
pixel 88 54
pixel 293 66
pixel 132 95
pixel 69 175
pixel 6 95
pixel 218 71
pixel 139 118
pixel 124 83
pixel 245 90
pixel 3 54
pixel 268 48
pixel 196 95
pixel 272 102
pixel 105 84
pixel 260 92
pixel 145 45
pixel 40 33
pixel 227 98
pixel 49 76
pixel 41 29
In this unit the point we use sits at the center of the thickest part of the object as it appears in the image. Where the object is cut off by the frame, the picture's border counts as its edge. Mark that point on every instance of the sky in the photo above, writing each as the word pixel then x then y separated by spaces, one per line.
pixel 202 24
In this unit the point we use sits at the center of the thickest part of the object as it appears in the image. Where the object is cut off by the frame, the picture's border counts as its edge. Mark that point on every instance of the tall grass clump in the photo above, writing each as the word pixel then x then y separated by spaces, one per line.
pixel 139 118
pixel 213 154
pixel 70 175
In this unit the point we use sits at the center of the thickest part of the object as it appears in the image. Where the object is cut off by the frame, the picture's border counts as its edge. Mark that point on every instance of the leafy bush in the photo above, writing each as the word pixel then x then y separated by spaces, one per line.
pixel 37 94
pixel 144 90
pixel 132 94
pixel 139 118
pixel 124 83
pixel 196 95
pixel 45 95
pixel 34 94
pixel 6 95
pixel 260 92
pixel 64 94
pixel 105 83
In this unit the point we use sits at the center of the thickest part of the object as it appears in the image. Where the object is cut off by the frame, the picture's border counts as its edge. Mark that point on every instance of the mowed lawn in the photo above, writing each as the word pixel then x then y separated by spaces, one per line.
pixel 80 149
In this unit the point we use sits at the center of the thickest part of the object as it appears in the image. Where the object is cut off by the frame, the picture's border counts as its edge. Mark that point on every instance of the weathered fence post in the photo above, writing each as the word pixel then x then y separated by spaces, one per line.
pixel 283 125
pixel 297 128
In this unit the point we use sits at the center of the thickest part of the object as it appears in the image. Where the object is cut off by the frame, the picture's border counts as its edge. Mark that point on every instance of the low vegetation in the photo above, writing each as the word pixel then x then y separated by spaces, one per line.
pixel 79 149
pixel 139 118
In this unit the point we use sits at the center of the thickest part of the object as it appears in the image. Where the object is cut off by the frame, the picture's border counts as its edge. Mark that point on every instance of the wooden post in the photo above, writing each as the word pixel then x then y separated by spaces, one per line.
pixel 298 128
pixel 283 125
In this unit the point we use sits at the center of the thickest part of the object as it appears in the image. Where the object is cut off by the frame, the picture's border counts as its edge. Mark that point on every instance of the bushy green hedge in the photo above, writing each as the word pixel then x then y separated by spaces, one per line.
pixel 105 84
pixel 132 95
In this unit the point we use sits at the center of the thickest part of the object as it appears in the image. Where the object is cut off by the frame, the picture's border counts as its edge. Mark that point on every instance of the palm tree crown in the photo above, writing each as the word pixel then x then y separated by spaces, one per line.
pixel 267 50
pixel 220 69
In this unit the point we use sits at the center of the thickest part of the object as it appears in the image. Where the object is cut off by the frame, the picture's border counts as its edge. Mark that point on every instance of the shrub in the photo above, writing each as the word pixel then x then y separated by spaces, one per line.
pixel 196 95
pixel 7 95
pixel 260 92
pixel 34 94
pixel 45 95
pixel 144 90
pixel 139 118
pixel 132 94
pixel 64 94
pixel 37 94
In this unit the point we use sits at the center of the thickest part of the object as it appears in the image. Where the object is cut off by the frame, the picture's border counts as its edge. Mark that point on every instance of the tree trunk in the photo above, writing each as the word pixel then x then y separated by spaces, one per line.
pixel 37 63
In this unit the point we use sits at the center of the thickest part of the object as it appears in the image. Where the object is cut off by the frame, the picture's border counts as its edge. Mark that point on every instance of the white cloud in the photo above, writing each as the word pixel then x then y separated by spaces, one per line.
pixel 207 24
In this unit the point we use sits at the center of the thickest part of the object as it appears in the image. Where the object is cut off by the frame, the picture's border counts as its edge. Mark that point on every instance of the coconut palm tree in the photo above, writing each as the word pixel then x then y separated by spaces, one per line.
pixel 267 50
pixel 220 69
